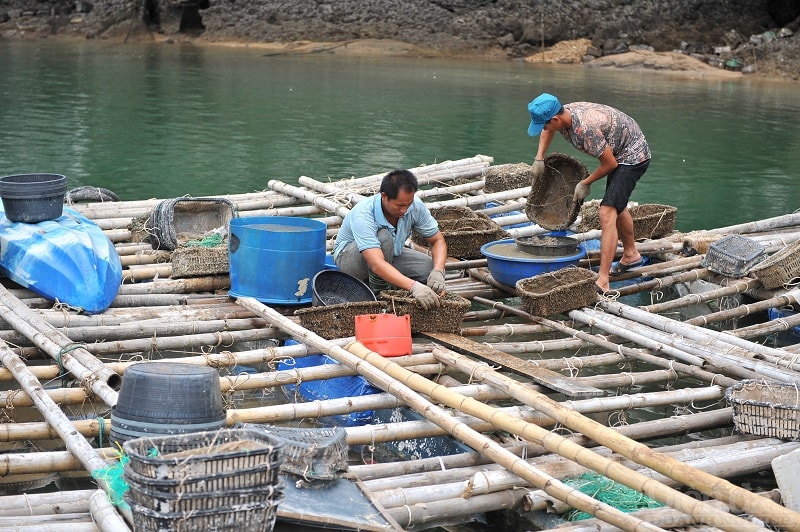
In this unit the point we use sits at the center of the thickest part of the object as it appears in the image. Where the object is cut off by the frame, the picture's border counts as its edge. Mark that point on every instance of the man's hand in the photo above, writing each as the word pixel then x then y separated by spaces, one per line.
pixel 426 297
pixel 436 281
pixel 581 191
pixel 538 170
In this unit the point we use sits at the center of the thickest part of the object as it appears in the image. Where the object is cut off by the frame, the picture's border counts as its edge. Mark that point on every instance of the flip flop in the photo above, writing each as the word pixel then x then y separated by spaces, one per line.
pixel 618 268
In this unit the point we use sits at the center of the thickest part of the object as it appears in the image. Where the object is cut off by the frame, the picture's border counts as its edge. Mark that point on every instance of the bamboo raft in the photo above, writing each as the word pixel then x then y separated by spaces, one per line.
pixel 633 392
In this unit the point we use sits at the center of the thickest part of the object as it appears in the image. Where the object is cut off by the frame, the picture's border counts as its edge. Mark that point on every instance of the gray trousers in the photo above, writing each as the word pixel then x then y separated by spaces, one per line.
pixel 411 263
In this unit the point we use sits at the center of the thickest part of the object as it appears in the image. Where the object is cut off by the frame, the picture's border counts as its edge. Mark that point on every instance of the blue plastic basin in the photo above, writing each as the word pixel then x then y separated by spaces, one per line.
pixel 508 270
pixel 274 258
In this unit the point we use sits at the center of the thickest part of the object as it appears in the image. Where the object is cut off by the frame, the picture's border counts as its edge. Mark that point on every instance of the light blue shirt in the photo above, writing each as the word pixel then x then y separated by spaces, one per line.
pixel 362 223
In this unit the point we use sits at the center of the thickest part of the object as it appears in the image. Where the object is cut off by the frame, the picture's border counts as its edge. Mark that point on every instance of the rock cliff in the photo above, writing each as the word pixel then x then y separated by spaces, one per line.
pixel 506 28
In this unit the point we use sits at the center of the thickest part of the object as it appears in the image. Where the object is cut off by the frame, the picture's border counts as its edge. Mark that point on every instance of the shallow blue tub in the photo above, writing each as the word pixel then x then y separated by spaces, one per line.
pixel 508 265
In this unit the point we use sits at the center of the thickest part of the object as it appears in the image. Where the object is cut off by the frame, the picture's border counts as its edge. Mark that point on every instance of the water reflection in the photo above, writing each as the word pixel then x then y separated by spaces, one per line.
pixel 168 120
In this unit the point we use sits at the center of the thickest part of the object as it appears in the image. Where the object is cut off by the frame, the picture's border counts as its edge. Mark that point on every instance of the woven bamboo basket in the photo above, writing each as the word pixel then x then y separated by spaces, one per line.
pixel 190 261
pixel 339 320
pixel 551 202
pixel 779 268
pixel 766 408
pixel 507 177
pixel 558 292
pixel 448 317
pixel 652 220
pixel 464 231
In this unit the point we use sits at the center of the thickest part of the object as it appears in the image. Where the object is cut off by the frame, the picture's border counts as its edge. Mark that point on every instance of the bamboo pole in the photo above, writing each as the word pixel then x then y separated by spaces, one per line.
pixel 441 418
pixel 637 354
pixel 641 454
pixel 788 298
pixel 560 445
pixel 75 442
pixel 77 360
pixel 46 503
pixel 733 288
pixel 315 199
pixel 103 513
pixel 481 199
pixel 379 476
pixel 708 336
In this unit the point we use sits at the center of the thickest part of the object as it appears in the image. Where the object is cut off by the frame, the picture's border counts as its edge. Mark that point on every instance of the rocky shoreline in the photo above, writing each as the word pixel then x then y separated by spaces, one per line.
pixel 705 37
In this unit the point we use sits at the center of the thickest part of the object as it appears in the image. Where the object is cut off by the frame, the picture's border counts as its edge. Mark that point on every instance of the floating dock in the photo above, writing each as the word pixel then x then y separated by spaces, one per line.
pixel 490 425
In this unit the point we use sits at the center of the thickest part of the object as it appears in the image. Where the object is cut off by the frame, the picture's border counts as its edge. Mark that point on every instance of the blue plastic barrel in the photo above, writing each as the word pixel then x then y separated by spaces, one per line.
pixel 274 258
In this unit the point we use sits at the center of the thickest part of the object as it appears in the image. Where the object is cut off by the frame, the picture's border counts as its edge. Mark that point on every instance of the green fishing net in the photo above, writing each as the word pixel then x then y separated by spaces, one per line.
pixel 112 477
pixel 610 492
pixel 210 240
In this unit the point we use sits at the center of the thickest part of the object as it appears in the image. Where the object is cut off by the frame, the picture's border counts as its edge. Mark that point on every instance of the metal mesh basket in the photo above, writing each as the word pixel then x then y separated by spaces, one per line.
pixel 733 256
pixel 312 453
pixel 780 268
pixel 766 408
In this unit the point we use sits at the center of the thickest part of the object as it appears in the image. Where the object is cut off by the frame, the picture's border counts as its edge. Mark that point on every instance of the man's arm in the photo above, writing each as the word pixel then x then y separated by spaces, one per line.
pixel 607 165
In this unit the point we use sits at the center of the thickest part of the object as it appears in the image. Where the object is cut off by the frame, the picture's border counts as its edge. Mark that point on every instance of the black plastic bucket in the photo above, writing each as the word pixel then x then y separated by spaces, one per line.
pixel 162 398
pixel 33 198
pixel 331 287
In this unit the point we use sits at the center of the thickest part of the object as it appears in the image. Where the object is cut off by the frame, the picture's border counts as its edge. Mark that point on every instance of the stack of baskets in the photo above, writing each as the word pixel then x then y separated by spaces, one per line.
pixel 218 480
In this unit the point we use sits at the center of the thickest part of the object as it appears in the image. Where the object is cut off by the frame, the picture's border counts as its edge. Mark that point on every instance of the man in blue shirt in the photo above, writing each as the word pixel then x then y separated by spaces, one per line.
pixel 370 242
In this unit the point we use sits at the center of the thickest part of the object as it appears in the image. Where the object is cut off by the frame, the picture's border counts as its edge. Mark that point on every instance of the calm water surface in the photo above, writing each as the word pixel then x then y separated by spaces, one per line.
pixel 167 120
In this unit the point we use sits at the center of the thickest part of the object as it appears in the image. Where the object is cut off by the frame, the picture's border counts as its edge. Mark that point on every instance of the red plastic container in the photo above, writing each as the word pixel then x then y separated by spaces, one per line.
pixel 389 335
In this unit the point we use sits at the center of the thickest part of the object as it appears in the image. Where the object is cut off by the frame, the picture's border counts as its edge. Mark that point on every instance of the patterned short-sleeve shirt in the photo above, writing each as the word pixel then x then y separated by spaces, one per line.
pixel 595 126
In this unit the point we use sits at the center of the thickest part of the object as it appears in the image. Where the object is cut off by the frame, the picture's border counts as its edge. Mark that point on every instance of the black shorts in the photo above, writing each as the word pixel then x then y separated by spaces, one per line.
pixel 620 184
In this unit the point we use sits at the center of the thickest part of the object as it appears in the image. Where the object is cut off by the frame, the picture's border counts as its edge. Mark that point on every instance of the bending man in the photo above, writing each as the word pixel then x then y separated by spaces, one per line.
pixel 619 144
pixel 370 243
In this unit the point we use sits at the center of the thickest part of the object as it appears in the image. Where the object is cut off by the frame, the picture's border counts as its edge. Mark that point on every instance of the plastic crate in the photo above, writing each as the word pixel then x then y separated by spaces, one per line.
pixel 190 502
pixel 312 453
pixel 202 453
pixel 257 516
pixel 766 408
pixel 258 476
pixel 733 256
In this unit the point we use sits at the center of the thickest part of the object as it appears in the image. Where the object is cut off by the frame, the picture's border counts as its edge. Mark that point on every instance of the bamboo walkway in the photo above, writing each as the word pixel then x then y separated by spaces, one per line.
pixel 632 388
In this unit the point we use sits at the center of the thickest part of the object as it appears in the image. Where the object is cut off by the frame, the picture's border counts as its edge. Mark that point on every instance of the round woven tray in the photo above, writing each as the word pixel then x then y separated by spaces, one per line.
pixel 547 246
pixel 551 203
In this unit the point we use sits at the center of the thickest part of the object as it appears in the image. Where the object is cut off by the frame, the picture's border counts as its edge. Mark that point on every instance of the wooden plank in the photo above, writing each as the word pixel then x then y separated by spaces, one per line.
pixel 543 376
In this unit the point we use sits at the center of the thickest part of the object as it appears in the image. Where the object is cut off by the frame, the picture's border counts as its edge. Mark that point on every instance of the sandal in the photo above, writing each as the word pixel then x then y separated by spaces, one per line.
pixel 618 268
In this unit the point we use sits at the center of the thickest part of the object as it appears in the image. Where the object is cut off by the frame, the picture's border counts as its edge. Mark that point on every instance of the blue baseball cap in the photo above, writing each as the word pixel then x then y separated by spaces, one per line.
pixel 542 108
